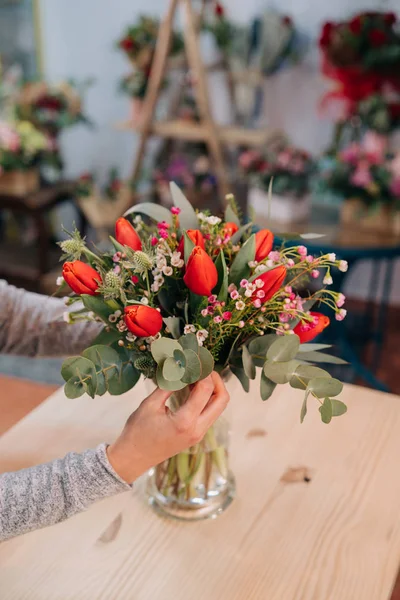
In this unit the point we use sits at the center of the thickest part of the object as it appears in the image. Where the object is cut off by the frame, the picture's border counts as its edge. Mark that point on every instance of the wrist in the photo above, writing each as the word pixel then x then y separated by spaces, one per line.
pixel 124 462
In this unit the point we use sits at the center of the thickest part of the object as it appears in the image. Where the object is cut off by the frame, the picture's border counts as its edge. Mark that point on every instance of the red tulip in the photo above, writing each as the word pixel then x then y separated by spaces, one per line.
pixel 355 25
pixel 264 243
pixel 201 275
pixel 142 320
pixel 230 228
pixel 326 34
pixel 81 277
pixel 197 238
pixel 377 38
pixel 127 44
pixel 273 281
pixel 126 235
pixel 219 10
pixel 308 331
pixel 390 18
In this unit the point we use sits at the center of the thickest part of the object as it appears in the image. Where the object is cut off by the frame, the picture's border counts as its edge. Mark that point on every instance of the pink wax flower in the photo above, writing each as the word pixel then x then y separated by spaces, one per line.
pixel 274 255
pixel 350 154
pixel 297 166
pixel 283 159
pixel 212 299
pixel 163 225
pixel 163 233
pixel 135 279
pixel 309 258
pixel 117 257
pixel 260 294
pixel 290 262
pixel 315 274
pixel 395 187
pixel 175 210
pixel 302 250
pixel 204 312
pixel 341 314
pixel 284 317
pixel 154 241
pixel 257 303
pixel 243 283
pixel 234 295
pixel 117 269
pixel 218 319
pixel 288 289
pixel 362 176
pixel 227 315
pixel 375 147
pixel 340 300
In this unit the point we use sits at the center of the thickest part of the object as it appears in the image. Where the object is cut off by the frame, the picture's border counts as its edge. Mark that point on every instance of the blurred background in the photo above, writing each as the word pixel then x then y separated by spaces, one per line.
pixel 305 93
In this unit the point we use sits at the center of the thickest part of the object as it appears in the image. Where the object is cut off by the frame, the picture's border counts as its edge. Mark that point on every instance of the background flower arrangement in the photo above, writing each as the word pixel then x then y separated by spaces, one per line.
pixel 192 174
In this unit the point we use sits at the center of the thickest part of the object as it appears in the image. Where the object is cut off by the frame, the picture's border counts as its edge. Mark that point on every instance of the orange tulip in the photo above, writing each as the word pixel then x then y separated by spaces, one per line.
pixel 201 275
pixel 308 331
pixel 264 243
pixel 126 234
pixel 273 281
pixel 142 320
pixel 197 238
pixel 81 277
pixel 230 229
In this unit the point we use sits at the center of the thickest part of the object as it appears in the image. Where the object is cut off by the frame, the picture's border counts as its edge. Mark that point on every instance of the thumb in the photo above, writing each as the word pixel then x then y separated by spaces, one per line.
pixel 159 397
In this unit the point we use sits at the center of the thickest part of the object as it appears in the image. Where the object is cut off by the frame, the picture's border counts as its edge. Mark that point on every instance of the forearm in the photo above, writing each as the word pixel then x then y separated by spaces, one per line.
pixel 47 494
pixel 32 325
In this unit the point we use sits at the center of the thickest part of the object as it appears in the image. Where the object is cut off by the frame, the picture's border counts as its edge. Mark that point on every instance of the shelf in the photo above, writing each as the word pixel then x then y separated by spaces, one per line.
pixel 195 132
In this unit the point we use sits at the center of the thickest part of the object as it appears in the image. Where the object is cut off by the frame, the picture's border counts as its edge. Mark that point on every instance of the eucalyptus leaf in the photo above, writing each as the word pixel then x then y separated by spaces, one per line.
pixel 164 384
pixel 267 387
pixel 80 375
pixel 280 372
pixel 312 236
pixel 107 363
pixel 188 246
pixel 248 364
pixel 172 370
pixel 174 325
pixel 259 346
pixel 303 411
pixel 240 268
pixel 288 236
pixel 179 356
pixel 74 365
pixel 125 380
pixel 221 289
pixel 231 216
pixel 164 348
pixel 74 388
pixel 303 375
pixel 98 306
pixel 338 408
pixel 189 342
pixel 154 211
pixel 235 239
pixel 187 217
pixel 207 362
pixel 284 348
pixel 326 411
pixel 193 367
pixel 323 386
pixel 313 347
pixel 106 338
pixel 320 357
pixel 119 247
pixel 241 375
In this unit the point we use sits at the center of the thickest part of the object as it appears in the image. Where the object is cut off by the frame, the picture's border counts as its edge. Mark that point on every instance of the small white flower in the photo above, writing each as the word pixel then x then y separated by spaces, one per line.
pixel 176 260
pixel 121 326
pixel 118 313
pixel 252 264
pixel 156 271
pixel 67 317
pixel 260 269
pixel 91 315
pixel 260 319
pixel 259 283
pixel 251 286
pixel 112 318
pixel 270 263
pixel 155 287
pixel 248 293
pixel 144 300
pixel 201 336
pixel 138 219
pixel 213 220
pixel 59 280
pixel 331 257
pixel 161 263
pixel 168 271
pixel 343 266
pixel 327 280
pixel 241 324
pixel 130 337
pixel 201 216
pixel 240 305
pixel 189 329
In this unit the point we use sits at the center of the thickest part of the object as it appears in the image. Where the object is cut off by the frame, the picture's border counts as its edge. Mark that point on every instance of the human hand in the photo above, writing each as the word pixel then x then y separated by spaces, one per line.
pixel 153 433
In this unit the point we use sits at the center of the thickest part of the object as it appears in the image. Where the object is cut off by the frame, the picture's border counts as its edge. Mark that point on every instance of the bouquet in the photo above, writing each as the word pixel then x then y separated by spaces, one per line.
pixel 289 168
pixel 21 145
pixel 192 293
pixel 379 113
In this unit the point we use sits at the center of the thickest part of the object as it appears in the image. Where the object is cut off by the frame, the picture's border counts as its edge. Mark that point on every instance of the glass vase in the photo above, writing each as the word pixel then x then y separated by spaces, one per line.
pixel 195 484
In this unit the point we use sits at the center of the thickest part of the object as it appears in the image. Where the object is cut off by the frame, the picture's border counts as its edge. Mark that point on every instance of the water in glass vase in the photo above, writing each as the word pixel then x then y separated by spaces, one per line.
pixel 195 484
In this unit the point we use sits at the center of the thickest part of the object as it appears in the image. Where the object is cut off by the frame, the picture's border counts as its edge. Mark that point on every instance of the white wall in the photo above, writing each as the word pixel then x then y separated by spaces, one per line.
pixel 78 41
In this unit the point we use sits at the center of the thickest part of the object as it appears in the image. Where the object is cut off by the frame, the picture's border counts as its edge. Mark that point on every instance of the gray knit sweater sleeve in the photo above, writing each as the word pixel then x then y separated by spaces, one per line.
pixel 32 498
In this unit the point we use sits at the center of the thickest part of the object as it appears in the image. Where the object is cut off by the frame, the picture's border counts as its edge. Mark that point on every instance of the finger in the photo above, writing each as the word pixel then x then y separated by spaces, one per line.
pixel 216 405
pixel 198 399
pixel 159 397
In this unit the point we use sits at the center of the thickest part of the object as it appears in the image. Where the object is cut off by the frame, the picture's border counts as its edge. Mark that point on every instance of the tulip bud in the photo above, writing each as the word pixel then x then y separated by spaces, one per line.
pixel 142 321
pixel 81 277
pixel 273 280
pixel 197 238
pixel 126 235
pixel 307 331
pixel 264 243
pixel 201 274
pixel 230 229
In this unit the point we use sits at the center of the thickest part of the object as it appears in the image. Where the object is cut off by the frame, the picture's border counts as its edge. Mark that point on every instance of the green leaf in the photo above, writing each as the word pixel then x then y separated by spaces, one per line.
pixel 172 370
pixel 98 306
pixel 164 384
pixel 248 364
pixel 240 232
pixel 241 375
pixel 189 342
pixel 231 216
pixel 174 325
pixel 195 302
pixel 126 378
pixel 187 217
pixel 338 408
pixel 80 375
pixel 324 386
pixel 259 346
pixel 107 363
pixel 193 367
pixel 164 348
pixel 221 289
pixel 207 362
pixel 119 247
pixel 284 348
pixel 73 389
pixel 154 211
pixel 267 387
pixel 313 347
pixel 188 246
pixel 179 356
pixel 280 372
pixel 303 411
pixel 240 268
pixel 312 236
pixel 320 357
pixel 303 375
pixel 106 338
pixel 326 411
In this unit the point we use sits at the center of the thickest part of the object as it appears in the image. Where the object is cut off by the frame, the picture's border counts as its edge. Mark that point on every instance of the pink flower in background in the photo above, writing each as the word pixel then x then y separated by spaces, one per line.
pixel 362 175
pixel 246 159
pixel 351 154
pixel 9 139
pixel 395 187
pixel 297 166
pixel 283 159
pixel 375 147
pixel 394 166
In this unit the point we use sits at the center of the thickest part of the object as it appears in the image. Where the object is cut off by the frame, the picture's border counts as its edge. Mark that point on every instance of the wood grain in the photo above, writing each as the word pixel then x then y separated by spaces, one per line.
pixel 334 537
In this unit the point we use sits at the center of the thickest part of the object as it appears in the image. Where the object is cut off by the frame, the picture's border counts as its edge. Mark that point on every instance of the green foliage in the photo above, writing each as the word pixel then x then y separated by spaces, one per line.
pixel 326 410
pixel 313 347
pixel 187 217
pixel 193 367
pixel 241 375
pixel 284 348
pixel 248 364
pixel 280 372
pixel 303 375
pixel 154 211
pixel 235 239
pixel 98 306
pixel 325 386
pixel 174 326
pixel 172 369
pixel 321 357
pixel 189 342
pixel 107 337
pixel 221 289
pixel 338 408
pixel 240 268
pixel 267 387
pixel 231 216
pixel 188 246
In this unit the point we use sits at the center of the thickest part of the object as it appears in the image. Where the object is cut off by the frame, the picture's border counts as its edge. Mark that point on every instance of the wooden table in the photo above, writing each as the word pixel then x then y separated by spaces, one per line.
pixel 336 537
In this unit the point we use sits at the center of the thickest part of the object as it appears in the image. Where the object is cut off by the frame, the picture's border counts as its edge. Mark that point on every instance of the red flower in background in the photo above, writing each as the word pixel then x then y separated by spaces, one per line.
pixel 377 38
pixel 81 277
pixel 201 275
pixel 127 44
pixel 288 21
pixel 308 331
pixel 142 321
pixel 219 10
pixel 390 18
pixel 126 235
pixel 197 238
pixel 355 25
pixel 230 228
pixel 326 34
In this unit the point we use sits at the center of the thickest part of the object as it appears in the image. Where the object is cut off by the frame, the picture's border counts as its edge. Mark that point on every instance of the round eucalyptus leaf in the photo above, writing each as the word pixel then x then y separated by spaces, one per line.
pixel 338 408
pixel 207 362
pixel 74 389
pixel 267 387
pixel 76 365
pixel 248 364
pixel 164 348
pixel 172 370
pixel 326 411
pixel 324 386
pixel 126 378
pixel 280 372
pixel 304 373
pixel 193 367
pixel 259 346
pixel 164 384
pixel 189 342
pixel 241 375
pixel 179 356
pixel 284 348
